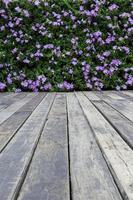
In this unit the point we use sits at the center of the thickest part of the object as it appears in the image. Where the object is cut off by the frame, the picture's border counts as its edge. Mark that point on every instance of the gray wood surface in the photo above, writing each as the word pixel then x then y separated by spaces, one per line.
pixel 11 97
pixel 31 105
pixel 10 110
pixel 9 127
pixel 6 99
pixel 7 95
pixel 48 175
pixel 92 96
pixel 66 146
pixel 124 106
pixel 90 177
pixel 113 95
pixel 2 106
pixel 15 159
pixel 123 126
pixel 2 94
pixel 128 93
pixel 117 153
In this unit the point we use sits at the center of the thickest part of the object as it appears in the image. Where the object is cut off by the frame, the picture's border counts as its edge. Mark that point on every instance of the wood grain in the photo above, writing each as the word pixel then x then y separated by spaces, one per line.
pixel 123 126
pixel 15 159
pixel 9 127
pixel 90 177
pixel 117 153
pixel 128 93
pixel 48 175
pixel 10 110
pixel 124 106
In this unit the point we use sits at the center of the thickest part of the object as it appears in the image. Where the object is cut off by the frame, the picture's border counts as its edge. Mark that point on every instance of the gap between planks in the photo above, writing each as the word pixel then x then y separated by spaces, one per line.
pixel 117 153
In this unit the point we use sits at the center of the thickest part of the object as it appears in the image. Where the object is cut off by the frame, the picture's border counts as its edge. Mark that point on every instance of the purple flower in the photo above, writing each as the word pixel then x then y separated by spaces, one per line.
pixel 26 13
pixel 25 83
pixel 1 66
pixel 18 90
pixel 10 24
pixel 70 71
pixel 97 34
pixel 113 7
pixel 99 68
pixel 9 80
pixel 6 2
pixel 37 2
pixel 47 87
pixel 26 61
pixel 18 9
pixel 74 61
pixel 130 20
pixel 126 49
pixel 2 86
pixel 14 50
pixel 118 87
pixel 115 62
pixel 48 46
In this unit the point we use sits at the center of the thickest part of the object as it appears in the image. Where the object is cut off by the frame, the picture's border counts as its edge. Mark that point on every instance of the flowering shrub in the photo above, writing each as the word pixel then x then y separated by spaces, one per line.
pixel 63 45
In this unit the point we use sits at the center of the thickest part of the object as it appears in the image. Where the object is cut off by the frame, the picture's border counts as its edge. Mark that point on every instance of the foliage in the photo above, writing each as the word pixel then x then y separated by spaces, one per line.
pixel 64 45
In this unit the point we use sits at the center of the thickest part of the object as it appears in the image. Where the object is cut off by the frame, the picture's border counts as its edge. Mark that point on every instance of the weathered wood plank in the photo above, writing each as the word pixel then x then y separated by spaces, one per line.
pixel 121 124
pixel 2 106
pixel 12 98
pixel 117 153
pixel 90 177
pixel 48 175
pixel 128 93
pixel 125 106
pixel 16 157
pixel 7 96
pixel 9 127
pixel 29 106
pixel 4 94
pixel 10 110
pixel 6 100
pixel 113 95
pixel 120 95
pixel 92 96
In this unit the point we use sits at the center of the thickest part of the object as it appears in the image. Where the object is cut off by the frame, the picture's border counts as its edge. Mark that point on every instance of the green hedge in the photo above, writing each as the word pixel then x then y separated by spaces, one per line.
pixel 64 45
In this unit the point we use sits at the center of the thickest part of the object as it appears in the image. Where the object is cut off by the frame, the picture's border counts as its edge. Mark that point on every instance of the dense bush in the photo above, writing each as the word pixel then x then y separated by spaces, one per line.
pixel 66 45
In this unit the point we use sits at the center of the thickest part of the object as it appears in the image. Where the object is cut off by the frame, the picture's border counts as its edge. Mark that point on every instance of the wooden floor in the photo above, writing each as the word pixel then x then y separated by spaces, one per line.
pixel 66 146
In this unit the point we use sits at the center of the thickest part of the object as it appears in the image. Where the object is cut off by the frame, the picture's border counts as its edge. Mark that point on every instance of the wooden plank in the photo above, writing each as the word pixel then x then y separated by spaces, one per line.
pixel 48 175
pixel 6 100
pixel 121 124
pixel 128 93
pixel 2 94
pixel 2 106
pixel 117 153
pixel 92 96
pixel 10 110
pixel 7 96
pixel 16 157
pixel 12 98
pixel 90 177
pixel 9 127
pixel 113 95
pixel 117 95
pixel 125 106
pixel 30 106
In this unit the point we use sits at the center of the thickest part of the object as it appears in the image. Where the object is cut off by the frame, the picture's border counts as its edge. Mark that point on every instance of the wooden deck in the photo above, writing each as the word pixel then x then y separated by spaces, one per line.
pixel 66 146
